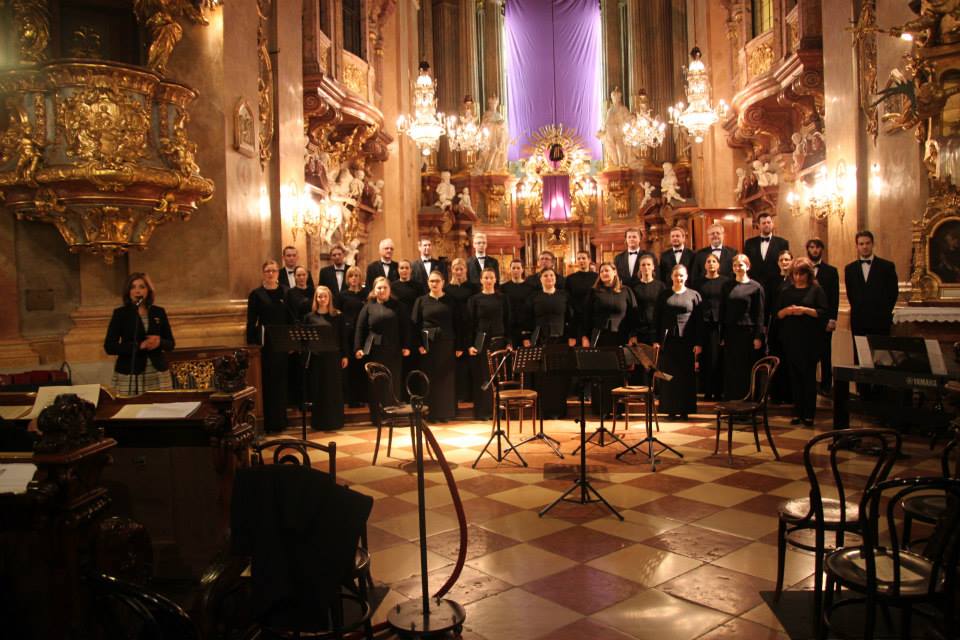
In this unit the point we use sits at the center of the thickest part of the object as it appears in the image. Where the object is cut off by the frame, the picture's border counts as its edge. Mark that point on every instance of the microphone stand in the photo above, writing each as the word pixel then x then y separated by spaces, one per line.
pixel 498 432
pixel 136 347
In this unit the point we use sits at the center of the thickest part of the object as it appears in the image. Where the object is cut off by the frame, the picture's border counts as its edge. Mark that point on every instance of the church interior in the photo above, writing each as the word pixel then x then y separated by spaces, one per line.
pixel 189 145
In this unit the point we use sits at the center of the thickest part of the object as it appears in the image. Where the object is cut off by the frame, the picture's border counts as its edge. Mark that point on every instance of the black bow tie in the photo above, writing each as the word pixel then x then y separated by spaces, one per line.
pixel 716 249
pixel 762 239
pixel 633 253
pixel 866 261
pixel 386 264
pixel 339 270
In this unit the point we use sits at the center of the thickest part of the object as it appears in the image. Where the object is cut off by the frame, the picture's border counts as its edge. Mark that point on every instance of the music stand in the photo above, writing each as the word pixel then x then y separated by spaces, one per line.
pixel 653 373
pixel 589 364
pixel 304 340
pixel 498 433
pixel 596 359
pixel 531 360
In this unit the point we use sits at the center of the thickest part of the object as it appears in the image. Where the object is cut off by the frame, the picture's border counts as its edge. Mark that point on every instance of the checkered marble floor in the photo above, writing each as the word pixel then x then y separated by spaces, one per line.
pixel 690 560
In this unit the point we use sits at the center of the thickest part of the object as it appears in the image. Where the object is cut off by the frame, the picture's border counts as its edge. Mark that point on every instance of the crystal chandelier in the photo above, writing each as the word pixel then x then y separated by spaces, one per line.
pixel 698 115
pixel 426 126
pixel 643 130
pixel 465 134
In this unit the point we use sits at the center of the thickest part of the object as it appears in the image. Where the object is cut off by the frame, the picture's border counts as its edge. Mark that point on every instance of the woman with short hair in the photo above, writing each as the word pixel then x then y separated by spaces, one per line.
pixel 267 307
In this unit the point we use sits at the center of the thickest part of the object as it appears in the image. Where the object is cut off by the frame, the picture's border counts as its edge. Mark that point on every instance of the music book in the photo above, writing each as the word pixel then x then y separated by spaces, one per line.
pixel 368 344
pixel 46 396
pixel 13 412
pixel 15 477
pixel 156 411
pixel 535 336
pixel 481 341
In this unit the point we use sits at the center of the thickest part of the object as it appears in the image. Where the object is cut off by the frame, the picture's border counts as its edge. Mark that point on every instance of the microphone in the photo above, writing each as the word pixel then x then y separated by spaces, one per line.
pixel 138 301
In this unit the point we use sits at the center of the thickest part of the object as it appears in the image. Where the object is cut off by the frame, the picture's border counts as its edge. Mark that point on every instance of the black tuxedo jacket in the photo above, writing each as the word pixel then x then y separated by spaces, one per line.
pixel 700 260
pixel 474 270
pixel 668 260
pixel 328 278
pixel 125 333
pixel 419 271
pixel 622 262
pixel 289 282
pixel 871 301
pixel 375 270
pixel 829 279
pixel 763 270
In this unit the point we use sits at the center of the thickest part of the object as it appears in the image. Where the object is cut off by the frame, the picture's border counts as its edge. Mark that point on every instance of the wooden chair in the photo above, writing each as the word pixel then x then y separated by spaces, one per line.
pixel 633 395
pixel 752 405
pixel 821 514
pixel 127 610
pixel 513 395
pixel 387 407
pixel 887 573
pixel 929 508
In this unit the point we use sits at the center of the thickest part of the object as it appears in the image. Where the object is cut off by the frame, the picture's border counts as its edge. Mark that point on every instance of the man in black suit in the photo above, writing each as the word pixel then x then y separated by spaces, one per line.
pixel 334 276
pixel 678 253
pixel 546 260
pixel 872 289
pixel 716 247
pixel 291 260
pixel 480 260
pixel 628 262
pixel 763 251
pixel 426 264
pixel 829 279
pixel 385 266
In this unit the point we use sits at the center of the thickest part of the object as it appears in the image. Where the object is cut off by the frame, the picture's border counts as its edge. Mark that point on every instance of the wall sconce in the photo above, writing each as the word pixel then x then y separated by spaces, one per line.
pixel 822 198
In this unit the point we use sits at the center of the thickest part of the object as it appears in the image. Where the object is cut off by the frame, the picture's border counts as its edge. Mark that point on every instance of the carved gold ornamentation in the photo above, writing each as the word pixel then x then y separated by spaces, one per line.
pixel 264 83
pixel 865 45
pixel 159 18
pixel 193 374
pixel 760 60
pixel 179 151
pixel 87 43
pixel 355 76
pixel 619 191
pixel 935 275
pixel 103 124
pixel 493 195
pixel 32 22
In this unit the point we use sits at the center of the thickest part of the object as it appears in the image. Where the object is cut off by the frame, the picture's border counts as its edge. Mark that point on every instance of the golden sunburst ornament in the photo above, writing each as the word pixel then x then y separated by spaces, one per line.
pixel 551 138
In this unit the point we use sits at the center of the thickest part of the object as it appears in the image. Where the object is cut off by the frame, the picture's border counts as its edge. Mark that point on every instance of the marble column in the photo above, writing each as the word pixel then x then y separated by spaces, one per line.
pixel 492 82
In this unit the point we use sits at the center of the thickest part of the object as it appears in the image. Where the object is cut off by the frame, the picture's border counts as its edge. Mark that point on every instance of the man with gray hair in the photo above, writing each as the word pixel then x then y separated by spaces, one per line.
pixel 715 247
pixel 385 266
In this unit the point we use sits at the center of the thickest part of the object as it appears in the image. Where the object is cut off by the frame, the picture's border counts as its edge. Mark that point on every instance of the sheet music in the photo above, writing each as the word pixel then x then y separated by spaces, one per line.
pixel 937 364
pixel 863 352
pixel 46 396
pixel 12 412
pixel 14 477
pixel 157 411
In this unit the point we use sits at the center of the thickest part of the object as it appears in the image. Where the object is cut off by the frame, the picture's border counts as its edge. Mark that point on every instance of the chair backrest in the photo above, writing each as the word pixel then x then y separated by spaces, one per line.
pixel 650 352
pixel 506 373
pixel 760 376
pixel 883 503
pixel 296 451
pixel 951 451
pixel 881 446
pixel 126 610
pixel 381 385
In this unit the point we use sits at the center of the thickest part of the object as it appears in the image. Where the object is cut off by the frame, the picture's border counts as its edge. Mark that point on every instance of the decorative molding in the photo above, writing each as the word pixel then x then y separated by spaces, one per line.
pixel 935 277
pixel 244 129
pixel 265 83
pixel 760 60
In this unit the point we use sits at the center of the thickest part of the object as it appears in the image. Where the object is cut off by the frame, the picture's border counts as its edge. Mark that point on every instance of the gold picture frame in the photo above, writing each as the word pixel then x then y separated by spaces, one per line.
pixel 244 129
pixel 935 278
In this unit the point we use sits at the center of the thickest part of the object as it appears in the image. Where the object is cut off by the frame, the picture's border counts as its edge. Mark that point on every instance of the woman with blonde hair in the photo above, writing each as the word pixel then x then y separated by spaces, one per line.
pixel 460 291
pixel 383 332
pixel 741 328
pixel 324 378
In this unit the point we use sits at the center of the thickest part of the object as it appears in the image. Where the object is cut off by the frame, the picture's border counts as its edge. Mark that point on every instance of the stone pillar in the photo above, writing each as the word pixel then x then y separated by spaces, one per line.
pixel 492 83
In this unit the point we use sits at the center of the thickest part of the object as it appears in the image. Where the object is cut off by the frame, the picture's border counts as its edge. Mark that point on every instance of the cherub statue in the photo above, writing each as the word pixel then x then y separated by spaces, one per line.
pixel 357 185
pixel 493 158
pixel 669 186
pixel 614 146
pixel 648 190
pixel 376 200
pixel 465 203
pixel 341 187
pixel 445 191
pixel 741 188
pixel 29 154
pixel 764 175
pixel 799 152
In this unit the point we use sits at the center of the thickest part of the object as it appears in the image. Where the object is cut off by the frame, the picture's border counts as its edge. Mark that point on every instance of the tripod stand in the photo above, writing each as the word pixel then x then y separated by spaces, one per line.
pixel 602 362
pixel 498 433
pixel 529 360
pixel 644 357
pixel 600 435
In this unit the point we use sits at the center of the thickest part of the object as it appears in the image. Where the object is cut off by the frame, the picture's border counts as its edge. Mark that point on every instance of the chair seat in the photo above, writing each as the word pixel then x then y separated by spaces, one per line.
pixel 926 508
pixel 797 509
pixel 848 565
pixel 737 406
pixel 518 394
pixel 637 390
pixel 403 410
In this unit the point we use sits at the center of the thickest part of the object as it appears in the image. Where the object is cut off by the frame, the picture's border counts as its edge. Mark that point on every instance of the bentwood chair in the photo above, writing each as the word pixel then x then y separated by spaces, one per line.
pixel 885 572
pixel 753 406
pixel 387 408
pixel 820 512
pixel 635 396
pixel 929 508
pixel 510 384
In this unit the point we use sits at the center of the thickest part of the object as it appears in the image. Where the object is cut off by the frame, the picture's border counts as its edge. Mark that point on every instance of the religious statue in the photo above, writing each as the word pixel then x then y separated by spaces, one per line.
pixel 931 157
pixel 799 151
pixel 445 191
pixel 341 187
pixel 741 189
pixel 493 158
pixel 764 175
pixel 669 186
pixel 179 151
pixel 29 154
pixel 465 203
pixel 357 185
pixel 611 135
pixel 648 190
pixel 159 18
pixel 376 200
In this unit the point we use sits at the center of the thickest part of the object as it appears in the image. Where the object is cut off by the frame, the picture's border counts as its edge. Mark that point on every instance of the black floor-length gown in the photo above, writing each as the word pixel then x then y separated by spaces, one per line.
pixel 387 325
pixel 299 302
pixel 645 324
pixel 711 375
pixel 678 320
pixel 325 376
pixel 407 292
pixel 552 315
pixel 354 379
pixel 801 341
pixel 578 286
pixel 488 317
pixel 266 308
pixel 780 392
pixel 742 322
pixel 436 323
pixel 461 293
pixel 518 293
pixel 610 322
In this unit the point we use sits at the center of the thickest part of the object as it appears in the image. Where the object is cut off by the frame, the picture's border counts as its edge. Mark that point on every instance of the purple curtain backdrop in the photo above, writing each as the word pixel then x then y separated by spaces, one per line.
pixel 553 70
pixel 556 197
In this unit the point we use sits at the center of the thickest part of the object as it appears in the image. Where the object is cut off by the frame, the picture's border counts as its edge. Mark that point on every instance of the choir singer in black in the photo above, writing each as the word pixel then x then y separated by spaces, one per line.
pixel 548 321
pixel 437 320
pixel 325 379
pixel 488 319
pixel 741 328
pixel 383 332
pixel 266 307
pixel 609 318
pixel 713 289
pixel 679 329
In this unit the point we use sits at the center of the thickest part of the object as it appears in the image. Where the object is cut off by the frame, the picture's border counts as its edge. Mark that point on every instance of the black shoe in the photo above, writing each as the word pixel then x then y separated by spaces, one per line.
pixel 808 422
pixel 683 417
pixel 796 421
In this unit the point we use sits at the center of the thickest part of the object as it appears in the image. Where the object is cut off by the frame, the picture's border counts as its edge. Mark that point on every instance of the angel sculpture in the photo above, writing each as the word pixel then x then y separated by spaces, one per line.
pixel 648 190
pixel 741 188
pixel 765 176
pixel 465 203
pixel 669 186
pixel 159 17
pixel 445 191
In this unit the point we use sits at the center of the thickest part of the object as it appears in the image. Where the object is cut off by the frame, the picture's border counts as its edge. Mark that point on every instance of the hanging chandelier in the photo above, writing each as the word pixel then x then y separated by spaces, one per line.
pixel 699 114
pixel 426 126
pixel 466 134
pixel 643 130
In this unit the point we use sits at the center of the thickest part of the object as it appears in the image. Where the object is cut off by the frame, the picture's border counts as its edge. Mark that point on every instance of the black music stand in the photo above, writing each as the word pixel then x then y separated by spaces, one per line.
pixel 498 433
pixel 531 360
pixel 303 340
pixel 653 373
pixel 589 364
pixel 599 355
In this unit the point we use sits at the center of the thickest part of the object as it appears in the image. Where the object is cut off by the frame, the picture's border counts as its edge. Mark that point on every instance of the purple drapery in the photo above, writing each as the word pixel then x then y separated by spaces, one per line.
pixel 556 197
pixel 553 69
